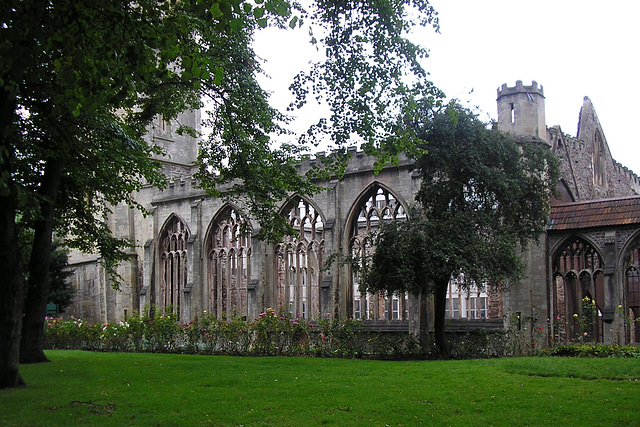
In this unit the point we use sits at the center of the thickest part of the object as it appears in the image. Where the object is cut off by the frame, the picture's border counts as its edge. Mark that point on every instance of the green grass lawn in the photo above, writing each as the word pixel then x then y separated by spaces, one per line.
pixel 157 389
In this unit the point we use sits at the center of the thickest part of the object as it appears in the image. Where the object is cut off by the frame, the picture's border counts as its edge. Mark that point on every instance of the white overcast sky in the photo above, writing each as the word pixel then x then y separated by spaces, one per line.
pixel 572 48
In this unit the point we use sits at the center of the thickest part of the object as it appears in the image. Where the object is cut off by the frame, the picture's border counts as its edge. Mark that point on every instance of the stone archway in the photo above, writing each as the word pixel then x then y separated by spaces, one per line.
pixel 173 263
pixel 375 205
pixel 228 249
pixel 299 260
pixel 631 305
pixel 578 291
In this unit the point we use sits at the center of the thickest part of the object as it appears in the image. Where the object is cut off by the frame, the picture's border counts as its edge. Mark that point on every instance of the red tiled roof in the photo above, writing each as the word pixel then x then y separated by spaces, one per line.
pixel 595 213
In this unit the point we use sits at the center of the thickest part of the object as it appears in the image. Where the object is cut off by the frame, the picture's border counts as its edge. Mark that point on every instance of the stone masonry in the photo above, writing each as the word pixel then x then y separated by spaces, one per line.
pixel 188 252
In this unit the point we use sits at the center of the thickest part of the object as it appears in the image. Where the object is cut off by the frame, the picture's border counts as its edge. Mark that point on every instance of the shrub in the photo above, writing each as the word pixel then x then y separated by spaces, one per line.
pixel 592 350
pixel 269 334
pixel 273 334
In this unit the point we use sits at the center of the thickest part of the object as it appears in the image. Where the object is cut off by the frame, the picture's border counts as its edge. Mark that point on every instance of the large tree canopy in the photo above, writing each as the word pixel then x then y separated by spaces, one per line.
pixel 483 195
pixel 81 81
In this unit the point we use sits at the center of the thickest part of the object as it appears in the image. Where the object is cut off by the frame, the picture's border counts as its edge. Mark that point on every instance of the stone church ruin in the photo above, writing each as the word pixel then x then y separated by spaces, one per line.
pixel 192 256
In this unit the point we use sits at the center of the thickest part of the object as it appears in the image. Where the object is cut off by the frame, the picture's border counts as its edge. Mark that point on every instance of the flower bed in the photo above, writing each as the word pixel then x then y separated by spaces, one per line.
pixel 268 334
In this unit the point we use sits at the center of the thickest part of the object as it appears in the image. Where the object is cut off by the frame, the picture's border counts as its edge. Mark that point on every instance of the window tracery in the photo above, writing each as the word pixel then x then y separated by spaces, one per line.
pixel 578 282
pixel 299 260
pixel 173 259
pixel 378 205
pixel 229 261
pixel 632 291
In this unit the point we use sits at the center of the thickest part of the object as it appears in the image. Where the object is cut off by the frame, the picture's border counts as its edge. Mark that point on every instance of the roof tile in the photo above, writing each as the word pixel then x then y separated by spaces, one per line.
pixel 595 213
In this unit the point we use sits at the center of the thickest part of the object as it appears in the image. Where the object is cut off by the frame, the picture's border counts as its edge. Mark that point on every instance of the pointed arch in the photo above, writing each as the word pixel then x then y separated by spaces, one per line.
pixel 631 297
pixel 375 204
pixel 228 251
pixel 299 259
pixel 173 256
pixel 578 289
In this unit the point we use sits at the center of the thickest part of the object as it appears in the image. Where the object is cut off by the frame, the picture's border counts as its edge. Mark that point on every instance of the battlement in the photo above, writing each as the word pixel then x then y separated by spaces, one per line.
pixel 182 184
pixel 520 88
pixel 358 161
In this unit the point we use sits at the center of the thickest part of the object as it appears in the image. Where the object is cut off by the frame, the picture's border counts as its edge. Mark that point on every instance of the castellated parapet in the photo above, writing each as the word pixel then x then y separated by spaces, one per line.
pixel 520 88
pixel 359 162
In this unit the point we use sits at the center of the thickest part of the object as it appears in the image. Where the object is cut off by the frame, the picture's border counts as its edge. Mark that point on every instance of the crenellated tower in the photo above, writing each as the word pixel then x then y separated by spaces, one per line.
pixel 521 110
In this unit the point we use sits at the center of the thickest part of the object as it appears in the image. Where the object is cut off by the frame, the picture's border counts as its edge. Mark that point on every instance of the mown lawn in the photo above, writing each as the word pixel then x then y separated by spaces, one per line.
pixel 157 389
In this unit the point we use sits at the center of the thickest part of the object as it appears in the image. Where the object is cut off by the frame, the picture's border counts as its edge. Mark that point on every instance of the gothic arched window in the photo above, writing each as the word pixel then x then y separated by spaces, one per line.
pixel 578 291
pixel 377 205
pixel 229 259
pixel 632 290
pixel 173 261
pixel 299 260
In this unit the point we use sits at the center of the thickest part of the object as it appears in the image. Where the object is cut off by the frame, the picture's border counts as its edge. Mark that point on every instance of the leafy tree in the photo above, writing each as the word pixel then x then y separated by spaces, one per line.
pixel 483 195
pixel 60 292
pixel 81 81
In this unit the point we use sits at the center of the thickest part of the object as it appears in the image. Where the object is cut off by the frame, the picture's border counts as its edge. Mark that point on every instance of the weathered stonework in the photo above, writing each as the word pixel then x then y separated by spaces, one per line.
pixel 217 273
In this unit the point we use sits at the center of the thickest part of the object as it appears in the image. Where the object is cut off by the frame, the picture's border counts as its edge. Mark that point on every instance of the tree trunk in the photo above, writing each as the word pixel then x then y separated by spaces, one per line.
pixel 35 309
pixel 423 322
pixel 11 269
pixel 12 296
pixel 440 304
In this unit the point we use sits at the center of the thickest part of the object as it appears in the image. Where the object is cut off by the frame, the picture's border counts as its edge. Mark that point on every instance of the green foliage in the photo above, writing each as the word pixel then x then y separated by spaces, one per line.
pixel 485 191
pixel 588 319
pixel 81 82
pixel 269 334
pixel 592 350
pixel 482 196
pixel 61 292
pixel 479 344
pixel 368 61
pixel 400 260
pixel 85 80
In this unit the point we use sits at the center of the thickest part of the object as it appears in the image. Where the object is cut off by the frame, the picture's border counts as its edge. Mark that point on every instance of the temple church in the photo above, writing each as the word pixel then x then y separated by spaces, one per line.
pixel 190 254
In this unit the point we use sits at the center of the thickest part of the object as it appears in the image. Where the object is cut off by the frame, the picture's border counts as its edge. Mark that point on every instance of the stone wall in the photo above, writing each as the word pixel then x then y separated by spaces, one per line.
pixel 578 158
pixel 580 165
